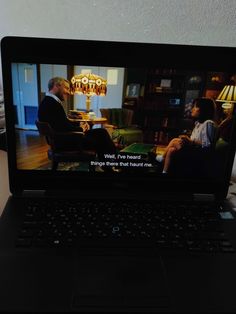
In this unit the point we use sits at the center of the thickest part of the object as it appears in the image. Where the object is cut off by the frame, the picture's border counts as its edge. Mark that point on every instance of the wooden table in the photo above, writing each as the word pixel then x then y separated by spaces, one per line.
pixel 91 122
pixel 143 149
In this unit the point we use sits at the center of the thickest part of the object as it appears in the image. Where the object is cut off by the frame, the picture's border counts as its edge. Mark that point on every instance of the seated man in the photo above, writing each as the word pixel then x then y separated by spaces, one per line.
pixel 51 111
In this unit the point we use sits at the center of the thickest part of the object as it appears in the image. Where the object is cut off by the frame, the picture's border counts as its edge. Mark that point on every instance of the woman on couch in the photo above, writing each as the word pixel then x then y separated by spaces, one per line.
pixel 203 134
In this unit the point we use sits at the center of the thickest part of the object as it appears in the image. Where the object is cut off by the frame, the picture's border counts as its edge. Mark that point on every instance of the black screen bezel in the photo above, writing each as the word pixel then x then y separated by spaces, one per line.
pixel 118 54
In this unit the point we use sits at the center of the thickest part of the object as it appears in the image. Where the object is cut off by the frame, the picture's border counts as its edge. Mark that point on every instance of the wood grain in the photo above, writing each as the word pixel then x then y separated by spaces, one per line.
pixel 31 150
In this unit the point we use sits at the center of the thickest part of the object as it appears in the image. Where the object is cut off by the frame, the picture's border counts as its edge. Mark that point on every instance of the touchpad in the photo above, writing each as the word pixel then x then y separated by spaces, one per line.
pixel 119 282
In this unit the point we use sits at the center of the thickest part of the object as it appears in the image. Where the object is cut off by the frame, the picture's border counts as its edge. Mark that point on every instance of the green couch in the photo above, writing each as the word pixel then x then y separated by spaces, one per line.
pixel 120 126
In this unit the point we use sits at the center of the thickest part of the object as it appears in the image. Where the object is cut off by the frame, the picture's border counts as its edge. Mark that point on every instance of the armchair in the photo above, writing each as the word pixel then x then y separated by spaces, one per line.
pixel 120 126
pixel 62 146
pixel 198 161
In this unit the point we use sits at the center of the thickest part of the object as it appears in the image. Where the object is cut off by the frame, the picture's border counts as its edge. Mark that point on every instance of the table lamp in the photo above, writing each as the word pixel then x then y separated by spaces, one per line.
pixel 227 96
pixel 88 84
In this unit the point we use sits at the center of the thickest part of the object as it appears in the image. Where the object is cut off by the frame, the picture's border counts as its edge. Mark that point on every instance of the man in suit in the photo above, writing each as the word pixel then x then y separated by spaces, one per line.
pixel 51 111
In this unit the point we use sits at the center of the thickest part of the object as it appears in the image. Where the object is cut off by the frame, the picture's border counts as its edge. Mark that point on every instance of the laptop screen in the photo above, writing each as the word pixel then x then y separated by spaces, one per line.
pixel 122 110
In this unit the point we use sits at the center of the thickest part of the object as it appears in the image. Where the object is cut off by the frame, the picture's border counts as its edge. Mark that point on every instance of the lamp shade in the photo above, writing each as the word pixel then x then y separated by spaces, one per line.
pixel 88 84
pixel 228 94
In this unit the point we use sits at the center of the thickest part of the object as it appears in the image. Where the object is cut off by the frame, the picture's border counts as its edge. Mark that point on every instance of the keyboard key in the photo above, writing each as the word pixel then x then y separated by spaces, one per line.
pixel 173 225
pixel 23 242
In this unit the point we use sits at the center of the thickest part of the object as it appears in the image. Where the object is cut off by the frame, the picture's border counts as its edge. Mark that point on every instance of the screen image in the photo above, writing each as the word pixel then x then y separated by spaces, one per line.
pixel 163 121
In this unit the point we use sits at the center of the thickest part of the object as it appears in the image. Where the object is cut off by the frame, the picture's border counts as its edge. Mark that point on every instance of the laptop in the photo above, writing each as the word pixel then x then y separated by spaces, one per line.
pixel 76 238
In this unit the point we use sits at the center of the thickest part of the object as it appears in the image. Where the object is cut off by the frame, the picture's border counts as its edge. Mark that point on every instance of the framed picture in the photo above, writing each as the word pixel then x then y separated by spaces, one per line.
pixel 133 90
pixel 165 83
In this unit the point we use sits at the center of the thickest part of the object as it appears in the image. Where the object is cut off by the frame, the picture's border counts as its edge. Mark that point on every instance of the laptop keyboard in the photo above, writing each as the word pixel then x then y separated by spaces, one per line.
pixel 173 226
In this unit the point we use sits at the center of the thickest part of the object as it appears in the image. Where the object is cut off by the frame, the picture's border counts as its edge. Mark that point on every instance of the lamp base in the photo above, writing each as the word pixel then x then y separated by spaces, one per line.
pixel 88 103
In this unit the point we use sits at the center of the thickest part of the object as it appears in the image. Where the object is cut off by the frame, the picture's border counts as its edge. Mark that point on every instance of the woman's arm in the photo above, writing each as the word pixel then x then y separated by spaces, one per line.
pixel 187 140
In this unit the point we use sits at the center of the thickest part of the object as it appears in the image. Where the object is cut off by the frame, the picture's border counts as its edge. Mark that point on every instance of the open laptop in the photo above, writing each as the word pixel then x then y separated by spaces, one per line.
pixel 132 239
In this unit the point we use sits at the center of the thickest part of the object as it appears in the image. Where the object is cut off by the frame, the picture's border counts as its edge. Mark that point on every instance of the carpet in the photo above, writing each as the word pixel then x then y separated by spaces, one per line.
pixel 67 166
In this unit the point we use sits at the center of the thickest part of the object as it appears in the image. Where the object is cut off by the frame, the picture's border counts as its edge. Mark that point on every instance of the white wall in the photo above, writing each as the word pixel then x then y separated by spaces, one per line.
pixel 201 22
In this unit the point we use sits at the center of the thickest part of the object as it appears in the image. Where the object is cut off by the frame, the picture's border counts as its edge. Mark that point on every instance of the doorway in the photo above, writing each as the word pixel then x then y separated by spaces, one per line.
pixel 25 94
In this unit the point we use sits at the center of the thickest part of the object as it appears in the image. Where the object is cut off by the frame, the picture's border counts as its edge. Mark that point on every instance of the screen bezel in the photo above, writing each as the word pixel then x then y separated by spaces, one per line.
pixel 119 54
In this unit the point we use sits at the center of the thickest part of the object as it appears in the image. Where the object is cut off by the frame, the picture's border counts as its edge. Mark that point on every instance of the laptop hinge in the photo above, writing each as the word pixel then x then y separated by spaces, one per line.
pixel 203 197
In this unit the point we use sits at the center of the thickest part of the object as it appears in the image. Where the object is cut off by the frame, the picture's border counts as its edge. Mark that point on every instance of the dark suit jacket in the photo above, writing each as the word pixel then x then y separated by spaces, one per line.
pixel 51 111
pixel 98 140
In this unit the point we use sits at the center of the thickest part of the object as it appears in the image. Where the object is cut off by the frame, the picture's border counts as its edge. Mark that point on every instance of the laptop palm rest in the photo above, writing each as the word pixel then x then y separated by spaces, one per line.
pixel 120 281
pixel 82 283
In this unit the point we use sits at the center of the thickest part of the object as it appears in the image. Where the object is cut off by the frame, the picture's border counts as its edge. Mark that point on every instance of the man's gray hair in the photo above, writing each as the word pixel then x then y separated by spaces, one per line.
pixel 56 80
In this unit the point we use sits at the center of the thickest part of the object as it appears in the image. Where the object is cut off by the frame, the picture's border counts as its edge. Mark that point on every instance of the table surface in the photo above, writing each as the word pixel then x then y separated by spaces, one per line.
pixel 5 192
pixel 92 121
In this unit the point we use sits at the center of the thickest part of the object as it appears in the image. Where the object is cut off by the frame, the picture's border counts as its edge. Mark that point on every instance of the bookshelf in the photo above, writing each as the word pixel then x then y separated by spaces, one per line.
pixel 162 98
pixel 163 104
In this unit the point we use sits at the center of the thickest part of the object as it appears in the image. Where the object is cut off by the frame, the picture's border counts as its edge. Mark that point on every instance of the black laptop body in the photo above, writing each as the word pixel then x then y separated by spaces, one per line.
pixel 116 234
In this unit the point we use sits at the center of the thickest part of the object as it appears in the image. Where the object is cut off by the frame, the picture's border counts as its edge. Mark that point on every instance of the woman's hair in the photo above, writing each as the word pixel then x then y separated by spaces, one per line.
pixel 207 108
